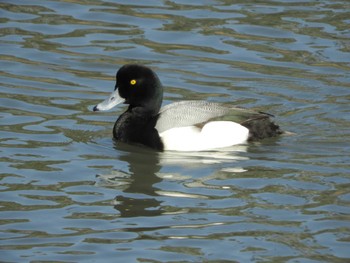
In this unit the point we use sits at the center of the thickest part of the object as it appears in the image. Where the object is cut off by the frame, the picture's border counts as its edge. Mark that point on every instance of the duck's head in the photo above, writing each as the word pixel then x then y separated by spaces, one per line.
pixel 137 86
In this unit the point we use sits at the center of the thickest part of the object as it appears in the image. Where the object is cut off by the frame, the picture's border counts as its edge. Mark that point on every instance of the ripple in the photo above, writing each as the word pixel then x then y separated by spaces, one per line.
pixel 70 193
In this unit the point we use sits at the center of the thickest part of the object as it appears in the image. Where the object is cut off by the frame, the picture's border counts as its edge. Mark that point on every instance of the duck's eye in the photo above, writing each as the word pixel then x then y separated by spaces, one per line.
pixel 133 82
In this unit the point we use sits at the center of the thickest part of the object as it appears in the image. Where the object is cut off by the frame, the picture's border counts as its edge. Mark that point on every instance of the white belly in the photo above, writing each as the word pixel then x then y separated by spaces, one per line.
pixel 217 134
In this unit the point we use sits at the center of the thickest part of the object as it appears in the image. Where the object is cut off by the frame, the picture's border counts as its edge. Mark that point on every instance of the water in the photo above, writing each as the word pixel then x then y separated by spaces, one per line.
pixel 70 194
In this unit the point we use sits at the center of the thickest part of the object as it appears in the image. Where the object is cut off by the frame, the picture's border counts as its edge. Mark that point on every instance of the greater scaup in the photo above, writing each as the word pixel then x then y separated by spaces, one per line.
pixel 180 126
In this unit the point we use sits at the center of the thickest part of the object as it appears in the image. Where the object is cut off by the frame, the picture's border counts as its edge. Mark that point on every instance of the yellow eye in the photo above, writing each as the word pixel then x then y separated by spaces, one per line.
pixel 133 82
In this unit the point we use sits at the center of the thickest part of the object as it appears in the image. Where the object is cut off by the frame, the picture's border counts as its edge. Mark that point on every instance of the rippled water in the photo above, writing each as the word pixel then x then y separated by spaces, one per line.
pixel 69 194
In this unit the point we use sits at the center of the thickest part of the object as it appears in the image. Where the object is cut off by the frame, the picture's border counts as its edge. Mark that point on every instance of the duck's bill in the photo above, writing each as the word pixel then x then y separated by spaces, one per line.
pixel 113 100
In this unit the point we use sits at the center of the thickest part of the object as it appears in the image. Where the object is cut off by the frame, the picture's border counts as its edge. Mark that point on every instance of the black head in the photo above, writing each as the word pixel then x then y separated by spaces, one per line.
pixel 140 87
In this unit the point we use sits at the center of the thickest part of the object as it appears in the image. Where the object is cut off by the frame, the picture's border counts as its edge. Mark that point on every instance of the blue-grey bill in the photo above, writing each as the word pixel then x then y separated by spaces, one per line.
pixel 113 100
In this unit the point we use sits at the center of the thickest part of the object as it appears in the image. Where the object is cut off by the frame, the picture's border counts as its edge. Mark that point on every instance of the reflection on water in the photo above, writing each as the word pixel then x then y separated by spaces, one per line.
pixel 139 196
pixel 69 193
pixel 144 172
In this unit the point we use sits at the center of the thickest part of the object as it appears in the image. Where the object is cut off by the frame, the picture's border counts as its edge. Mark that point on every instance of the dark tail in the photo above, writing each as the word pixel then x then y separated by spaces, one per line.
pixel 261 127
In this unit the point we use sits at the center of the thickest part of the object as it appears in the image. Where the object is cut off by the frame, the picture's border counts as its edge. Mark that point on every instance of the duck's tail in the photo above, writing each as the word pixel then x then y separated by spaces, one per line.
pixel 261 127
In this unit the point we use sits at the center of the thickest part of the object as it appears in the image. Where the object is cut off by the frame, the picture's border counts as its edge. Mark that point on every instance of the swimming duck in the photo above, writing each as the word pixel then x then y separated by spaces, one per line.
pixel 180 126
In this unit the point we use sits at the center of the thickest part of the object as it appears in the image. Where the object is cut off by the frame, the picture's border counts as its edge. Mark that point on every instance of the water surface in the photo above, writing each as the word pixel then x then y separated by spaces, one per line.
pixel 70 194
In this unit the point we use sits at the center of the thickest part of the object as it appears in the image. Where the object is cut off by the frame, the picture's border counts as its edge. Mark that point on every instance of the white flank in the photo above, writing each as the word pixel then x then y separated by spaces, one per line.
pixel 217 134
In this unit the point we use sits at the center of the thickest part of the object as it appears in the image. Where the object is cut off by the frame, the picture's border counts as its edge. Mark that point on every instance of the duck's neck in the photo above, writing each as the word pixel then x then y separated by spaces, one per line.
pixel 154 103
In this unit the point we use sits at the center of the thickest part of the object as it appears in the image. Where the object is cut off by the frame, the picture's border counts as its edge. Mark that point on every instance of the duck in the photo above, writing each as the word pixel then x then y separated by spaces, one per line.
pixel 192 125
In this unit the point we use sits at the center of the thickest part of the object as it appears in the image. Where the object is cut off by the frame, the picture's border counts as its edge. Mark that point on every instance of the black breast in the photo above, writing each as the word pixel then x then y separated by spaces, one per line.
pixel 137 129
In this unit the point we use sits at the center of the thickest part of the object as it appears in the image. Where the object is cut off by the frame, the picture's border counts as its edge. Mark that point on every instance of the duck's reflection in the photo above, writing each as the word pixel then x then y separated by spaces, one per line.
pixel 138 182
pixel 139 195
